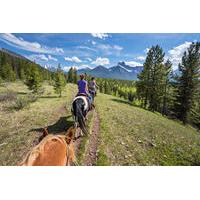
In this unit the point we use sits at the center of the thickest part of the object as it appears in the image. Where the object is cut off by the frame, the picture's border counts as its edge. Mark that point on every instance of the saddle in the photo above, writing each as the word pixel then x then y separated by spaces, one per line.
pixel 87 98
pixel 81 94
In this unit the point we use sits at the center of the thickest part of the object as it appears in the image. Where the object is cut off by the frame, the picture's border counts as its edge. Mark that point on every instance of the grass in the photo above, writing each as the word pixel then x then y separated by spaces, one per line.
pixel 129 135
pixel 134 136
pixel 19 130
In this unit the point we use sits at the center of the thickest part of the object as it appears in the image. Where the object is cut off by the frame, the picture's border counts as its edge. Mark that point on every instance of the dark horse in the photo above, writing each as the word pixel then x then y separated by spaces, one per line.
pixel 80 108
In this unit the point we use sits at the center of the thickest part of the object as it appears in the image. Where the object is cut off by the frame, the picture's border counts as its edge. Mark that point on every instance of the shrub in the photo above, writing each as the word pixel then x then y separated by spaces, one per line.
pixel 40 91
pixel 25 101
pixel 21 103
pixel 131 96
pixel 32 98
pixel 8 96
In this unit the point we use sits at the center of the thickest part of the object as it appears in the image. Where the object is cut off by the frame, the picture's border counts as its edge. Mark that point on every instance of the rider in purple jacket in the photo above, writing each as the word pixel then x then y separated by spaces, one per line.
pixel 83 88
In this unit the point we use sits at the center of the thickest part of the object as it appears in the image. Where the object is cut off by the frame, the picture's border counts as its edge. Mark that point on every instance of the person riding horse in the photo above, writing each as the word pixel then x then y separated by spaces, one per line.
pixel 93 87
pixel 83 89
pixel 82 104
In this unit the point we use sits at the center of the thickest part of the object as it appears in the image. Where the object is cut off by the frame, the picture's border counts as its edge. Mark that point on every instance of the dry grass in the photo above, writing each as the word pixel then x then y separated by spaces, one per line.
pixel 19 130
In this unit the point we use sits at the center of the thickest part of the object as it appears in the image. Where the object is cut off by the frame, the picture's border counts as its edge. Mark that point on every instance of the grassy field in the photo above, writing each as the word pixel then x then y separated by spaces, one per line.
pixel 128 135
pixel 20 129
pixel 134 136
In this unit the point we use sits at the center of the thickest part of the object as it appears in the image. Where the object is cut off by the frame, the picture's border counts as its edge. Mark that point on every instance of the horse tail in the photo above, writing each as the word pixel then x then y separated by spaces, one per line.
pixel 79 115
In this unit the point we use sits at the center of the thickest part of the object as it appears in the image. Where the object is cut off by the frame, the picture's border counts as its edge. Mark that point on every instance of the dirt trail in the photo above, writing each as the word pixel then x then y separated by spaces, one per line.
pixel 91 151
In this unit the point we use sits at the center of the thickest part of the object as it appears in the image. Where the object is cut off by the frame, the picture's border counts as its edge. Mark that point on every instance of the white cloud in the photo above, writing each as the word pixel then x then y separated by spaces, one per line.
pixel 67 68
pixel 52 58
pixel 117 47
pixel 89 59
pixel 141 58
pixel 175 54
pixel 85 47
pixel 20 43
pixel 133 63
pixel 48 66
pixel 109 49
pixel 101 61
pixel 93 42
pixel 146 50
pixel 41 57
pixel 100 35
pixel 73 59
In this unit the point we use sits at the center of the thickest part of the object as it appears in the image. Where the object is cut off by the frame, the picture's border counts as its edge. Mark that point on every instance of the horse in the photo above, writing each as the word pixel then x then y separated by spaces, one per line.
pixel 80 107
pixel 53 150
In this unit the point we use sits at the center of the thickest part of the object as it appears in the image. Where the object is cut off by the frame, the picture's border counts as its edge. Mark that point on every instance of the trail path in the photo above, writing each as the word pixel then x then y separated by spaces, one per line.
pixel 90 156
pixel 91 151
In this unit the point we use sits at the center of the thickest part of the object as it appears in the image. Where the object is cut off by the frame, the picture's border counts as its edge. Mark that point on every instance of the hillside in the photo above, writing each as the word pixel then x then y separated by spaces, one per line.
pixel 20 129
pixel 134 136
pixel 19 65
pixel 127 135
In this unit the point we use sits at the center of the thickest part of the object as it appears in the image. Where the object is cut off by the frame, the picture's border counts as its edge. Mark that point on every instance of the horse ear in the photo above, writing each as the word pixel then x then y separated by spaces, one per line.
pixel 70 134
pixel 45 132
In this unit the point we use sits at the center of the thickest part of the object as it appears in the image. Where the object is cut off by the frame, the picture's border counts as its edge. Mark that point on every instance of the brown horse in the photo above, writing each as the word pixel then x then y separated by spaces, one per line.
pixel 53 150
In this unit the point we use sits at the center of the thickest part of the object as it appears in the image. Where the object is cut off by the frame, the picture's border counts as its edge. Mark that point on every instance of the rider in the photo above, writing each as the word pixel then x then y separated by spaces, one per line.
pixel 83 88
pixel 93 87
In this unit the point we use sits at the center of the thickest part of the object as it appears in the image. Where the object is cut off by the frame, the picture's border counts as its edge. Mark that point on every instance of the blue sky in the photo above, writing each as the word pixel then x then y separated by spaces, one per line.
pixel 89 50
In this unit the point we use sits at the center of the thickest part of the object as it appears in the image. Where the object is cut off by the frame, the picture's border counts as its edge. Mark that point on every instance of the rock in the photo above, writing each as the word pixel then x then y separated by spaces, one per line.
pixel 152 144
pixel 125 156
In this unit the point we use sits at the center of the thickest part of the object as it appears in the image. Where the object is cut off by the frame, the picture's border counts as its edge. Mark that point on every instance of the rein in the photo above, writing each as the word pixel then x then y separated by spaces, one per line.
pixel 68 153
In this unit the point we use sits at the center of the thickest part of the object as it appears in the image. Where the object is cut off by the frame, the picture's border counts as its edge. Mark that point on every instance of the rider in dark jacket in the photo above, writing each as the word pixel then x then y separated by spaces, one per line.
pixel 93 87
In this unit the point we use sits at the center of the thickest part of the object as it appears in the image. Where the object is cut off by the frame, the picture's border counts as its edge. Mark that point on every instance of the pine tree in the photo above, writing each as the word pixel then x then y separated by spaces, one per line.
pixel 22 73
pixel 70 75
pixel 188 81
pixel 7 73
pixel 150 86
pixel 75 79
pixel 60 81
pixel 167 70
pixel 143 83
pixel 33 78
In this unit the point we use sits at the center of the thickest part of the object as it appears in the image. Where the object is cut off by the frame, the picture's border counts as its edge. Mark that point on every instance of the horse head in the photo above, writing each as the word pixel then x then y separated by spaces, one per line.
pixel 53 150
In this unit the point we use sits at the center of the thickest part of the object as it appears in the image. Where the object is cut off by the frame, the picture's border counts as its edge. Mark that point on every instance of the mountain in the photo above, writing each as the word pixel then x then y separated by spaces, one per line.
pixel 120 71
pixel 84 70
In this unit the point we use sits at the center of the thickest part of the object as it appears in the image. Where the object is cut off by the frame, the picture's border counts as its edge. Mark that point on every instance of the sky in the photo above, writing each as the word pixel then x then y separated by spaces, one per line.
pixel 82 50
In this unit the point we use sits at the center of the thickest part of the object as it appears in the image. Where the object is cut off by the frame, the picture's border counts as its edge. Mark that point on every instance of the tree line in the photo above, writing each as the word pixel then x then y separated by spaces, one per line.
pixel 32 74
pixel 158 89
